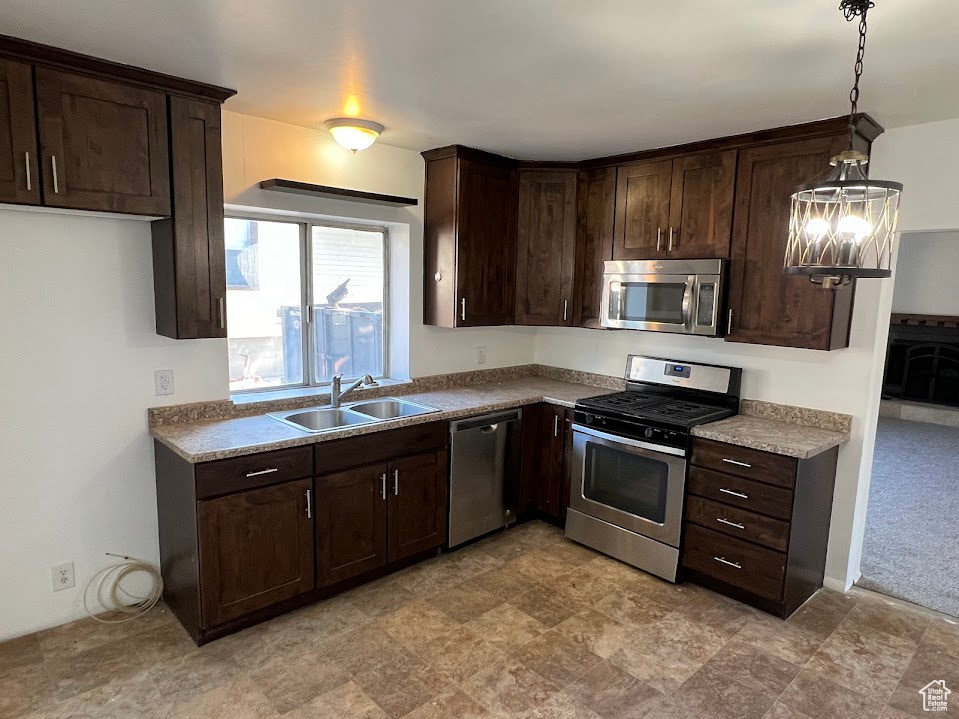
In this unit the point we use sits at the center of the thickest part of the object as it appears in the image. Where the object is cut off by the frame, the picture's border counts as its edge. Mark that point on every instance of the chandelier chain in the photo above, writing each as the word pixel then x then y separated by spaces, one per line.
pixel 853 9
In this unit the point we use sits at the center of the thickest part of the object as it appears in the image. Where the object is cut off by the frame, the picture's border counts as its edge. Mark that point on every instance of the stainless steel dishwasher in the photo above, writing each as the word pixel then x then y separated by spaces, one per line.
pixel 480 498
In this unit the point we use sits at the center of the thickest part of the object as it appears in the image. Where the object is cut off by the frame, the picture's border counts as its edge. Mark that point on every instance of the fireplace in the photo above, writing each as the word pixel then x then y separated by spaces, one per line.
pixel 922 360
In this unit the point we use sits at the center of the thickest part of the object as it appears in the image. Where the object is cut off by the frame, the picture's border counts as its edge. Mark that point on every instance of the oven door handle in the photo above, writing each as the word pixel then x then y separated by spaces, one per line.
pixel 583 429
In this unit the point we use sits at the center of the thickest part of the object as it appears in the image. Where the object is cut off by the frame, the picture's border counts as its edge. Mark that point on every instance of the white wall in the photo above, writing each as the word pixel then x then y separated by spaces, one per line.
pixel 76 377
pixel 926 275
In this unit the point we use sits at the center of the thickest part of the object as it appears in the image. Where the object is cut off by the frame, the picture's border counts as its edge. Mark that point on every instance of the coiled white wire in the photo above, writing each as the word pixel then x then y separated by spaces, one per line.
pixel 112 596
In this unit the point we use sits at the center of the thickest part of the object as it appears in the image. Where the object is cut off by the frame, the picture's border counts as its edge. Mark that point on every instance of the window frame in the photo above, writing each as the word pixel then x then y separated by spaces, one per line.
pixel 306 295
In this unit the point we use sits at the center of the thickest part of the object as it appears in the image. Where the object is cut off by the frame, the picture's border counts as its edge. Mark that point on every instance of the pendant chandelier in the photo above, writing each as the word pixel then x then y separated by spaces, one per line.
pixel 844 227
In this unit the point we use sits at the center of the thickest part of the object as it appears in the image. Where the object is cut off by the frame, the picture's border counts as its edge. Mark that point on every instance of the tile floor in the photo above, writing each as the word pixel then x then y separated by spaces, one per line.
pixel 525 624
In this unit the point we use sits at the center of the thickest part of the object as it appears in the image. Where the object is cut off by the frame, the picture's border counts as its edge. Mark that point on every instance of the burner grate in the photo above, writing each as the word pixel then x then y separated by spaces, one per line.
pixel 663 409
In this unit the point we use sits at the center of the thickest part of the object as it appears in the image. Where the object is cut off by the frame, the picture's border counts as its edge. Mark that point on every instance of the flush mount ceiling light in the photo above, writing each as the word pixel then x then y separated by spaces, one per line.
pixel 844 227
pixel 352 133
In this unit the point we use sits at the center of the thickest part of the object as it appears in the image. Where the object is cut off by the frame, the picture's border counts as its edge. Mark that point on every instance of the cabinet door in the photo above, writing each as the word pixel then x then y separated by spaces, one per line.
pixel 19 175
pixel 189 261
pixel 417 504
pixel 350 523
pixel 594 242
pixel 256 549
pixel 642 210
pixel 551 461
pixel 766 305
pixel 103 145
pixel 545 247
pixel 701 208
pixel 486 245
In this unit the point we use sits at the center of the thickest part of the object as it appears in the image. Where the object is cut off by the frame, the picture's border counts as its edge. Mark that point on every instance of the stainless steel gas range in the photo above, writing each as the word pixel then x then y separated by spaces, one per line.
pixel 630 450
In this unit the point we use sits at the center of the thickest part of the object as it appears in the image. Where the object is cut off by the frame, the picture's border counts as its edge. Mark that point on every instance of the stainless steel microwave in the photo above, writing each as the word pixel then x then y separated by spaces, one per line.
pixel 682 296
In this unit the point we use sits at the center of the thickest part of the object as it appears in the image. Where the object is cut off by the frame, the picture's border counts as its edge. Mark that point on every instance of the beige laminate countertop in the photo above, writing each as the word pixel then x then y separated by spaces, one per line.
pixel 208 440
pixel 771 435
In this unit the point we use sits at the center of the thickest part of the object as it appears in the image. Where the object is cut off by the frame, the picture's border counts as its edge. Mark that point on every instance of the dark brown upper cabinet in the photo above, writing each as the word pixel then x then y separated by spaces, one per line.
pixel 594 242
pixel 19 172
pixel 255 549
pixel 189 264
pixel 767 306
pixel 642 210
pixel 469 238
pixel 545 247
pixel 103 144
pixel 701 206
pixel 679 208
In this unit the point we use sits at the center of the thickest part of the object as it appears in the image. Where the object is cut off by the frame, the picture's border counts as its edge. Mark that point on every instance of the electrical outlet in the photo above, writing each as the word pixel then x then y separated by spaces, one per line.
pixel 480 355
pixel 62 576
pixel 163 381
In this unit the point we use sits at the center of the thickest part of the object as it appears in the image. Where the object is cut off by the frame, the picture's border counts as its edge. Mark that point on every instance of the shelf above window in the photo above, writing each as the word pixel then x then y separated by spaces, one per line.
pixel 336 193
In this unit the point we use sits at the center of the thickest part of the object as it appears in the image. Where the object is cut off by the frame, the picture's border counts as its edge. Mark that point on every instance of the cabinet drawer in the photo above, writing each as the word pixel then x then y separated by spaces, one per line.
pixel 745 462
pixel 253 470
pixel 738 523
pixel 741 493
pixel 741 564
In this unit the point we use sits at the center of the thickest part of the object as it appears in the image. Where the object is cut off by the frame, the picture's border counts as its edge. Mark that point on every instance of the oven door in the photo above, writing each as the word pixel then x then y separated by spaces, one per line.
pixel 661 303
pixel 629 483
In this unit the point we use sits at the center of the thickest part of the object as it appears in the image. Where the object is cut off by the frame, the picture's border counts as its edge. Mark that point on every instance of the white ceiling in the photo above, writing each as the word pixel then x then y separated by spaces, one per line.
pixel 536 79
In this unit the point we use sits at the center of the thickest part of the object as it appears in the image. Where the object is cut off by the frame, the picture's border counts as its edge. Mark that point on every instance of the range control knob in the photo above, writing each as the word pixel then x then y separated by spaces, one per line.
pixel 648 433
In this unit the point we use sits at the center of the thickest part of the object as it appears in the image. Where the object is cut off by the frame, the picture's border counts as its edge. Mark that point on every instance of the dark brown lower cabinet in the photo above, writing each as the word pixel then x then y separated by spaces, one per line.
pixel 350 523
pixel 417 504
pixel 256 549
pixel 757 524
pixel 547 461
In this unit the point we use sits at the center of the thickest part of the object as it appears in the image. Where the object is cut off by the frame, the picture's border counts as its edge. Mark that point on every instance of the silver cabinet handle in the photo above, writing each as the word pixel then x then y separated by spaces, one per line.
pixel 556 425
pixel 463 309
pixel 271 470
pixel 383 489
pixel 26 160
pixel 730 524
pixel 670 239
pixel 221 310
pixel 659 238
pixel 56 182
pixel 565 309
pixel 309 504
pixel 729 323
pixel 723 560
pixel 396 483
pixel 735 494
pixel 738 464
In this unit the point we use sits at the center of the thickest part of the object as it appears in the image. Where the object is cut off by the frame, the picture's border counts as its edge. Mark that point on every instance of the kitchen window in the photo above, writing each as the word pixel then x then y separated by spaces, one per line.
pixel 305 301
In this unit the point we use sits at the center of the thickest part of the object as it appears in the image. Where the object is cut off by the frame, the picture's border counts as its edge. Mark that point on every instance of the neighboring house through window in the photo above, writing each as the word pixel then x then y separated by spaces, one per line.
pixel 305 301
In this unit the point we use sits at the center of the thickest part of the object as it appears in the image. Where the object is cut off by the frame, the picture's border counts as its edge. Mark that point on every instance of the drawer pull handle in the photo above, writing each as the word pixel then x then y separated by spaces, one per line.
pixel 721 520
pixel 309 504
pixel 271 470
pixel 735 494
pixel 723 560
pixel 383 486
pixel 738 464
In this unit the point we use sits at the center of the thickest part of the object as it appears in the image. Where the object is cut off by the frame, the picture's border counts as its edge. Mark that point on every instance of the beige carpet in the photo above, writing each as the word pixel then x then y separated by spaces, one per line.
pixel 912 524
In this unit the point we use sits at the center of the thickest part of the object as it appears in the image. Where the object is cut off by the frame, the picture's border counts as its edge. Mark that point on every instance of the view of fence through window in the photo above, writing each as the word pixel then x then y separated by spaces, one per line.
pixel 272 342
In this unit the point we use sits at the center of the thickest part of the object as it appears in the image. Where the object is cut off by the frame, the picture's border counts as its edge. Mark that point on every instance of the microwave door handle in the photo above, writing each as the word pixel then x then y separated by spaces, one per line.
pixel 692 288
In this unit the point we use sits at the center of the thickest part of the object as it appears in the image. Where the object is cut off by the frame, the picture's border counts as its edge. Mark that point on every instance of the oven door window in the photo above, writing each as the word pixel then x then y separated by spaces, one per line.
pixel 660 302
pixel 626 481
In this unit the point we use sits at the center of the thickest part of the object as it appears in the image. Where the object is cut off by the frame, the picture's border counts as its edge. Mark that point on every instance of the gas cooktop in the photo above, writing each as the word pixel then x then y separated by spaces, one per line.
pixel 672 411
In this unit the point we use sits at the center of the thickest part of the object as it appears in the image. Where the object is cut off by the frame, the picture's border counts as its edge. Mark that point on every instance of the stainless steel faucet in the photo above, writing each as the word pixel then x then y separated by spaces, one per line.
pixel 337 397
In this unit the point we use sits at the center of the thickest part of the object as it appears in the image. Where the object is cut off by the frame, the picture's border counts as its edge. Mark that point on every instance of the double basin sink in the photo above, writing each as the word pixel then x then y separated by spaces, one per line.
pixel 329 419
